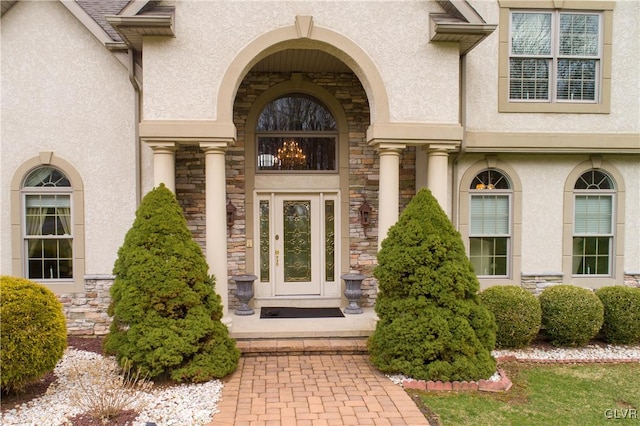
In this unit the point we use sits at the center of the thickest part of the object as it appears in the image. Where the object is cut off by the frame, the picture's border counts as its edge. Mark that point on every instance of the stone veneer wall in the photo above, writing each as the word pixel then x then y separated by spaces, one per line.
pixel 632 279
pixel 537 283
pixel 364 175
pixel 86 312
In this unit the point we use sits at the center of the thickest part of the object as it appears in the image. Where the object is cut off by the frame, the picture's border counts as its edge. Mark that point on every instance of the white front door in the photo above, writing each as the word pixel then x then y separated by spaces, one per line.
pixel 297 242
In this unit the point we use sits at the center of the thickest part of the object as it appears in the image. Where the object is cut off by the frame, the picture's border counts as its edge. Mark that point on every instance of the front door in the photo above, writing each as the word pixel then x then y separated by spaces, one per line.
pixel 297 242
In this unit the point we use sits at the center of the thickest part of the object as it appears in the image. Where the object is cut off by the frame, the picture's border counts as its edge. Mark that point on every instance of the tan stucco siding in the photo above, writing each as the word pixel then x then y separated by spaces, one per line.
pixel 62 91
pixel 482 84
pixel 543 179
pixel 183 74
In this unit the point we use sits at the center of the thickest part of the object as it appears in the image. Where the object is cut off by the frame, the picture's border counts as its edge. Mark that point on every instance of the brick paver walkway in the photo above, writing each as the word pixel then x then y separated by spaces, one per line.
pixel 313 390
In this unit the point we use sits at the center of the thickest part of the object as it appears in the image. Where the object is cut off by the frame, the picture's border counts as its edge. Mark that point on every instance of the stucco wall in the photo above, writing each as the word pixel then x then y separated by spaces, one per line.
pixel 543 179
pixel 183 74
pixel 482 83
pixel 62 91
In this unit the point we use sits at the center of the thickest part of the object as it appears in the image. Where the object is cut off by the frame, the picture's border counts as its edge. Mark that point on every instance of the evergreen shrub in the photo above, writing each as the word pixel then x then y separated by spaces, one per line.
pixel 166 313
pixel 33 332
pixel 571 316
pixel 517 313
pixel 621 314
pixel 431 324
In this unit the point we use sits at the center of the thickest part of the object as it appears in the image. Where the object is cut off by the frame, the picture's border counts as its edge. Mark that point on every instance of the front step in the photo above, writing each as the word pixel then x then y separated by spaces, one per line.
pixel 317 346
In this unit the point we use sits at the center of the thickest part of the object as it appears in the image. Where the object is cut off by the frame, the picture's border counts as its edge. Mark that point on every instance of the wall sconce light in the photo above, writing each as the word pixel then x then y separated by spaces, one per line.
pixel 365 213
pixel 231 214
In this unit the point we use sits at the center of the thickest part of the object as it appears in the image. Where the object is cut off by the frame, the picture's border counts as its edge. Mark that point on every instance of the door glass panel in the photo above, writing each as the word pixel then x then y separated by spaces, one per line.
pixel 264 241
pixel 329 233
pixel 297 240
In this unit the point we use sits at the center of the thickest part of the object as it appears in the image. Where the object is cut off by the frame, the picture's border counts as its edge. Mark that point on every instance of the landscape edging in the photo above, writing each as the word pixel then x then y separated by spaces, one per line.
pixel 504 384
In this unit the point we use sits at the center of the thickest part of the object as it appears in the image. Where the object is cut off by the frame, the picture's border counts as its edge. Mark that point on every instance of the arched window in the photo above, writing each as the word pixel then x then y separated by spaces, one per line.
pixel 296 132
pixel 593 224
pixel 490 223
pixel 48 225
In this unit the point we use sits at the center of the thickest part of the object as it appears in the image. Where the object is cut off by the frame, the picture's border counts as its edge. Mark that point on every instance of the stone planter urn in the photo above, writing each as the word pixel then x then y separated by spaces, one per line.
pixel 353 292
pixel 244 292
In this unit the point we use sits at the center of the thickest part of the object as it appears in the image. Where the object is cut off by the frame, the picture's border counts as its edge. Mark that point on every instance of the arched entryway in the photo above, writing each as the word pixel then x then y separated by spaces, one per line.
pixel 299 216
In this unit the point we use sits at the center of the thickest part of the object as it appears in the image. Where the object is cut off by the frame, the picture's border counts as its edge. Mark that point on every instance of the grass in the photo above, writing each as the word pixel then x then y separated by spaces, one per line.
pixel 557 394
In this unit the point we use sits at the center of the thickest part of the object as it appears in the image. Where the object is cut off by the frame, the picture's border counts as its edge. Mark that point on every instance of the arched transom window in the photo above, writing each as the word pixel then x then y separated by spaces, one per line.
pixel 296 133
pixel 593 224
pixel 48 230
pixel 490 223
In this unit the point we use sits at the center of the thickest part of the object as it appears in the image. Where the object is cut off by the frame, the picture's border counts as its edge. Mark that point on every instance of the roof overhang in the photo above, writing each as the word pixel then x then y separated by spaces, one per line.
pixel 460 24
pixel 132 29
pixel 5 5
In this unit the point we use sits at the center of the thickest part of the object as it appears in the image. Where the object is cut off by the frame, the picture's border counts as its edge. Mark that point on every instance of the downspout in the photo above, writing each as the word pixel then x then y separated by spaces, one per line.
pixel 137 89
pixel 455 188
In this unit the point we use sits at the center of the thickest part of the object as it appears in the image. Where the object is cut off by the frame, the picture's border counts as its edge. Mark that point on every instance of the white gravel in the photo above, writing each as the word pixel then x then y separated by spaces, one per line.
pixel 587 353
pixel 196 404
pixel 176 405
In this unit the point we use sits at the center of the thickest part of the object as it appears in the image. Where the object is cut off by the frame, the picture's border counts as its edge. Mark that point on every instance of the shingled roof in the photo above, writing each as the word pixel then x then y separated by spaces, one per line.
pixel 98 9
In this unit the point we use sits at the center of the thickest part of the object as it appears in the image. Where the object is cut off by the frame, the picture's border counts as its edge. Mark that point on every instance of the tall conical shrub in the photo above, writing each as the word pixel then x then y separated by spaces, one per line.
pixel 431 324
pixel 166 314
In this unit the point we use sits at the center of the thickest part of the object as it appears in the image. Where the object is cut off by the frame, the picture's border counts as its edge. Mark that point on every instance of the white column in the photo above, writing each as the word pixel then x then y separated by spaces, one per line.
pixel 389 193
pixel 164 164
pixel 216 219
pixel 437 174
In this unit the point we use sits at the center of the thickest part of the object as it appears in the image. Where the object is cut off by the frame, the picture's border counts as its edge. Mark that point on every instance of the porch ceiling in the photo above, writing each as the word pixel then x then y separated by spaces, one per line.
pixel 301 60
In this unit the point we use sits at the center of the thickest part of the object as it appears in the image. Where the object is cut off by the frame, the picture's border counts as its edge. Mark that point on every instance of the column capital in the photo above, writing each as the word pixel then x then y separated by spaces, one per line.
pixel 214 147
pixel 162 146
pixel 389 148
pixel 443 147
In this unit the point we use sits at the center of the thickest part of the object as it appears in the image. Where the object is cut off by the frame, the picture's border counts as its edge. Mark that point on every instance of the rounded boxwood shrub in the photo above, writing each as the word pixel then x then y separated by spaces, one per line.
pixel 571 316
pixel 431 324
pixel 166 313
pixel 517 313
pixel 621 314
pixel 33 332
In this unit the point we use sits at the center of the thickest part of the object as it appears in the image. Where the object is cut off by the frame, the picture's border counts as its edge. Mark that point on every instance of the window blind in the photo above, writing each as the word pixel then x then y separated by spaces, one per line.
pixel 593 214
pixel 490 215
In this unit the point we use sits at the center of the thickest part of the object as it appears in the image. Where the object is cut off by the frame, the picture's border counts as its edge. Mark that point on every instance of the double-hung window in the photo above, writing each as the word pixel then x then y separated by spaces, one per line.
pixel 48 225
pixel 555 56
pixel 555 60
pixel 490 224
pixel 593 224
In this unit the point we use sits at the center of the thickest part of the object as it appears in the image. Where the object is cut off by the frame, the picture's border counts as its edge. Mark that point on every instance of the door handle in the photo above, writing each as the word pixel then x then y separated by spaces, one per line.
pixel 277 257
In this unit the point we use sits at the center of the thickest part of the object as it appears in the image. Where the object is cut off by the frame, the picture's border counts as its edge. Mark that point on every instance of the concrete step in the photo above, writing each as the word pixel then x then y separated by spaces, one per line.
pixel 304 346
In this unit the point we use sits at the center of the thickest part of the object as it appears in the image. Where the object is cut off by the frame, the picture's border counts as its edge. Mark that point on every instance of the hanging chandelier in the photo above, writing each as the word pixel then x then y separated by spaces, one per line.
pixel 291 156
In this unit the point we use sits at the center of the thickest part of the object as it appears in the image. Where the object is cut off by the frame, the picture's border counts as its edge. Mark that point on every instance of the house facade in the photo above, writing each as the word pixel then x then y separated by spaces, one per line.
pixel 294 133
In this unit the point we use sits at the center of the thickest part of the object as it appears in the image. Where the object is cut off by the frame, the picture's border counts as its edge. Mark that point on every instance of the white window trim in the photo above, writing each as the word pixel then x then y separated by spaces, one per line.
pixel 492 161
pixel 611 235
pixel 509 235
pixel 605 7
pixel 616 273
pixel 48 158
pixel 68 191
pixel 555 56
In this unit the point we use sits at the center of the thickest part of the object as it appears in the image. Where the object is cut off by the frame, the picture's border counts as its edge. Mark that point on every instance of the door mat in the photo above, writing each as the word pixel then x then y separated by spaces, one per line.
pixel 270 312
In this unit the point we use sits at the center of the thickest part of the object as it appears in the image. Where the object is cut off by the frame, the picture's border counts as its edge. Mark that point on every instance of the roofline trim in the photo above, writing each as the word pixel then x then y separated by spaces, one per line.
pixel 130 26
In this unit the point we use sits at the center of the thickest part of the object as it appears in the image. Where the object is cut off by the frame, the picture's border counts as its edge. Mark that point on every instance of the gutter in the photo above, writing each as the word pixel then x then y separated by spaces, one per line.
pixel 138 157
pixel 455 193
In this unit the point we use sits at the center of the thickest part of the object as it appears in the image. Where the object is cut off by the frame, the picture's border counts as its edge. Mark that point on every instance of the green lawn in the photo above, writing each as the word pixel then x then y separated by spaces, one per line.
pixel 555 394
